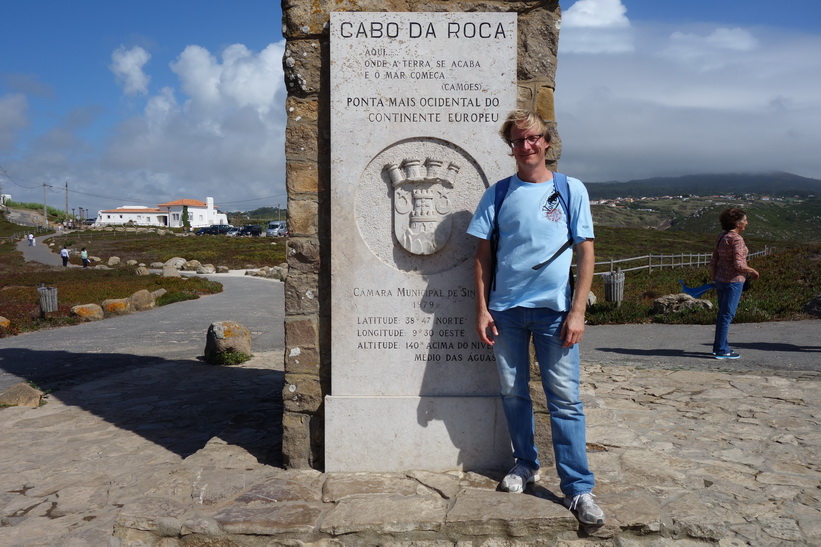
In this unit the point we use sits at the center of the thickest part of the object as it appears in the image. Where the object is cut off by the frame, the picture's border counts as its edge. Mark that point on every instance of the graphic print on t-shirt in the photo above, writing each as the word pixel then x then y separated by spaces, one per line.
pixel 551 207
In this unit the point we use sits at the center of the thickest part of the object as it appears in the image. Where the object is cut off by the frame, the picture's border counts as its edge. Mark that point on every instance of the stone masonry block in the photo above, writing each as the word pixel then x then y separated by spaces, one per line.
pixel 303 255
pixel 301 293
pixel 301 67
pixel 302 110
pixel 301 142
pixel 296 440
pixel 302 360
pixel 302 331
pixel 302 217
pixel 302 393
pixel 302 177
pixel 544 103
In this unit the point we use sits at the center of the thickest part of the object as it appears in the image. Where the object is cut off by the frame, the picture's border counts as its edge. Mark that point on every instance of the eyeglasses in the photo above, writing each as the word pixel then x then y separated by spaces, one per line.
pixel 531 140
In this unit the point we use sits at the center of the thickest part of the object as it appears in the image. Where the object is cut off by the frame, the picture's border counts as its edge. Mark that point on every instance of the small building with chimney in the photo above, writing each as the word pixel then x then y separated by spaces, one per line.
pixel 167 215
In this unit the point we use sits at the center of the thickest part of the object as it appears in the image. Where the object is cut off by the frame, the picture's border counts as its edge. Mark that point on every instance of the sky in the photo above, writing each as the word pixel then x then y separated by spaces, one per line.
pixel 138 103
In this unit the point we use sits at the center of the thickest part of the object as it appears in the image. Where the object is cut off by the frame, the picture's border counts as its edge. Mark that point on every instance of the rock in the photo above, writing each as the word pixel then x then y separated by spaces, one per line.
pixel 142 300
pixel 4 322
pixel 223 269
pixel 158 293
pixel 227 336
pixel 673 303
pixel 206 269
pixel 117 306
pixel 21 394
pixel 191 266
pixel 101 267
pixel 813 307
pixel 88 312
pixel 157 265
pixel 131 262
pixel 176 262
pixel 114 261
pixel 94 259
pixel 170 271
pixel 142 270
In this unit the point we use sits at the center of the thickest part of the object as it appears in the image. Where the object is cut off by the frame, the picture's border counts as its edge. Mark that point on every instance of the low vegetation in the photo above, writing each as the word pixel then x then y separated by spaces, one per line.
pixel 791 276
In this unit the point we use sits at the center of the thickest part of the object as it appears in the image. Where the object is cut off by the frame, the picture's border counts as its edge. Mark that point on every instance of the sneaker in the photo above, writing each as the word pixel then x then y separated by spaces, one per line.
pixel 727 355
pixel 585 509
pixel 518 478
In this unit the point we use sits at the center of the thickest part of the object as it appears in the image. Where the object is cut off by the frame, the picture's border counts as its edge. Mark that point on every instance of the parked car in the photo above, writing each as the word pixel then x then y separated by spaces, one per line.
pixel 277 228
pixel 214 229
pixel 254 230
pixel 233 232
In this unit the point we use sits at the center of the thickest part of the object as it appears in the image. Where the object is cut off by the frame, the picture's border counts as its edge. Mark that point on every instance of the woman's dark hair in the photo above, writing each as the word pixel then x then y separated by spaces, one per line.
pixel 729 218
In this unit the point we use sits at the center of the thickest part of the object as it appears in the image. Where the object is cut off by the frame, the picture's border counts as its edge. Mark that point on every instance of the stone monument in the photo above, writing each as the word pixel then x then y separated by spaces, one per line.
pixel 391 141
pixel 416 103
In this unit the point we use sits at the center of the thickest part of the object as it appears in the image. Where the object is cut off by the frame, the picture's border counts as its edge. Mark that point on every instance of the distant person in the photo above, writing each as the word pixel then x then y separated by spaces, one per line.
pixel 84 256
pixel 64 256
pixel 31 240
pixel 729 271
pixel 520 298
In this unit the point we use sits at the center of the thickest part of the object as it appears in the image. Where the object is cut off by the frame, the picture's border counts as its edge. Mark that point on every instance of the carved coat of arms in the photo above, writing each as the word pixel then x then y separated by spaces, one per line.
pixel 421 220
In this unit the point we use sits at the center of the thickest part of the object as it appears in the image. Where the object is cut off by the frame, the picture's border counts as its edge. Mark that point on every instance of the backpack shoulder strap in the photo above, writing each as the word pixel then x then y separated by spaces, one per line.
pixel 563 188
pixel 501 192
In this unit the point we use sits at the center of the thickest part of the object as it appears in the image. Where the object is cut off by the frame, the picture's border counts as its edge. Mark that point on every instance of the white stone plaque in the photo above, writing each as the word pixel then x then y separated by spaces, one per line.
pixel 416 103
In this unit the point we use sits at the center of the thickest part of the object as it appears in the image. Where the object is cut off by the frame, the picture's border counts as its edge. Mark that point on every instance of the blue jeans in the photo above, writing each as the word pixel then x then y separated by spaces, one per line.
pixel 728 296
pixel 560 379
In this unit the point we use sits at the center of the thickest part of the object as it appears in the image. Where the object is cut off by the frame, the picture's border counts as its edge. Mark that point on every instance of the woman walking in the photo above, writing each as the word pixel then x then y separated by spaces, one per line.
pixel 729 270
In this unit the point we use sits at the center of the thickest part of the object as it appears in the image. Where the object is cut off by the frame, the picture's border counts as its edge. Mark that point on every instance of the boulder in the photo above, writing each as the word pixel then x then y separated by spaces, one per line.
pixel 21 394
pixel 142 300
pixel 158 293
pixel 131 262
pixel 88 312
pixel 170 271
pixel 206 269
pixel 114 261
pixel 176 262
pixel 673 303
pixel 813 307
pixel 223 269
pixel 226 336
pixel 117 306
pixel 191 266
pixel 101 267
pixel 4 322
pixel 157 265
pixel 94 259
pixel 142 270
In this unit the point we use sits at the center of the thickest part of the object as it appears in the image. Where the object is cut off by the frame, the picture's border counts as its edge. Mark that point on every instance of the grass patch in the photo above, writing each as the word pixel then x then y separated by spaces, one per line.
pixel 228 358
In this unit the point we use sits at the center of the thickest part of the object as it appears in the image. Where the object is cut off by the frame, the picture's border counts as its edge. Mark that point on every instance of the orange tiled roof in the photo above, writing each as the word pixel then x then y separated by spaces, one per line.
pixel 182 202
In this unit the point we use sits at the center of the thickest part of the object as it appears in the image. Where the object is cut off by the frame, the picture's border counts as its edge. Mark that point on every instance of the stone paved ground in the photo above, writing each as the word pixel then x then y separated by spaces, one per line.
pixel 682 457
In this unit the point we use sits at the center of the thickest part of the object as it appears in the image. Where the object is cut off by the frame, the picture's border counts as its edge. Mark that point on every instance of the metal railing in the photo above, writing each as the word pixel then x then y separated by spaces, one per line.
pixel 662 261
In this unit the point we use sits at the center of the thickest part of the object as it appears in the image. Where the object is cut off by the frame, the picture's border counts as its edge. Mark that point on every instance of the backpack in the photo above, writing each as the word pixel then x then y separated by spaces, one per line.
pixel 563 190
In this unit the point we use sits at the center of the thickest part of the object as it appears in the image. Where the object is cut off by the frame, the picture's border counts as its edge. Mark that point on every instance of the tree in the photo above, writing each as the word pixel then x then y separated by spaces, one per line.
pixel 186 223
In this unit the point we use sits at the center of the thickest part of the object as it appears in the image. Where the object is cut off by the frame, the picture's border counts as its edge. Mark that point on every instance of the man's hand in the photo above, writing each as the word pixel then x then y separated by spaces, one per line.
pixel 572 329
pixel 485 325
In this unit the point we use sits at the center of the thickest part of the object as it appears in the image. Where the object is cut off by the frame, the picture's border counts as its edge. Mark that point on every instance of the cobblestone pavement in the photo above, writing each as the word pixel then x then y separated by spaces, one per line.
pixel 157 448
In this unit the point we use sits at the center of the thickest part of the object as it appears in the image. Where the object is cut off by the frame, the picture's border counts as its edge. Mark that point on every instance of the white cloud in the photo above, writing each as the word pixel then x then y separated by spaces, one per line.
pixel 127 65
pixel 596 13
pixel 717 99
pixel 596 26
pixel 710 51
pixel 13 108
pixel 223 138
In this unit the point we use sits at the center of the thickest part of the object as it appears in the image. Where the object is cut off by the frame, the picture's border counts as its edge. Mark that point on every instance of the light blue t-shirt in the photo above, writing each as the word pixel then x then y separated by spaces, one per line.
pixel 532 227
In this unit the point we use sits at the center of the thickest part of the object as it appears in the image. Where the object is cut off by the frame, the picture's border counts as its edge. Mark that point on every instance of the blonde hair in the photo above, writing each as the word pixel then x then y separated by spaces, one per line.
pixel 523 119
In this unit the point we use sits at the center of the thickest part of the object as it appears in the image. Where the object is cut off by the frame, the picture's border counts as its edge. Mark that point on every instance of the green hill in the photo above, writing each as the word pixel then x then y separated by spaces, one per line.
pixel 776 184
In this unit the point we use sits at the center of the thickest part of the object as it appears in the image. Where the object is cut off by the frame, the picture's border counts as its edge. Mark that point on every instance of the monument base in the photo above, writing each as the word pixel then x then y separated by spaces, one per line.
pixel 394 434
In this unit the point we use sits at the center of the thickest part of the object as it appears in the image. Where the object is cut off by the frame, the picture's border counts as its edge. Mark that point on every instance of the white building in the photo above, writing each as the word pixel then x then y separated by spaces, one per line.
pixel 168 215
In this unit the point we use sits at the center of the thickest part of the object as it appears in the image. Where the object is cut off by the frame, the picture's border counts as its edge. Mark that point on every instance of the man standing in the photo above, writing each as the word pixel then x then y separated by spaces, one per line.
pixel 523 291
pixel 64 256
